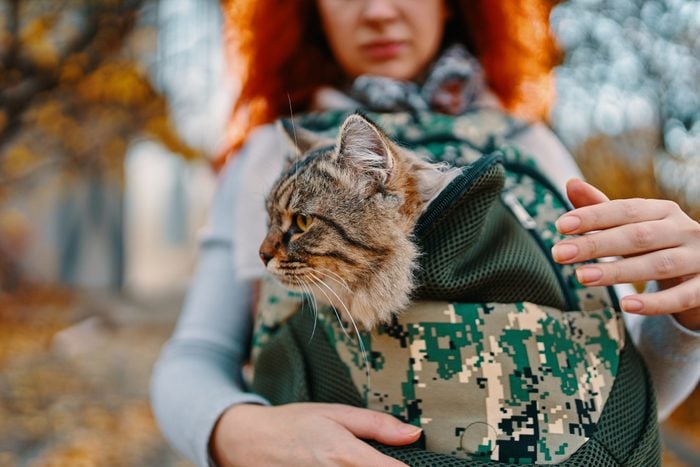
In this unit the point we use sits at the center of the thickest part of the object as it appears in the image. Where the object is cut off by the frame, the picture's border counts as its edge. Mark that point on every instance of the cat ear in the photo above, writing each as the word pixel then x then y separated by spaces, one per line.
pixel 363 146
pixel 300 138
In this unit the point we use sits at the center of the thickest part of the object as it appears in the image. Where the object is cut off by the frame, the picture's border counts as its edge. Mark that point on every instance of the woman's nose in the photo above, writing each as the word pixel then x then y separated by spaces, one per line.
pixel 380 10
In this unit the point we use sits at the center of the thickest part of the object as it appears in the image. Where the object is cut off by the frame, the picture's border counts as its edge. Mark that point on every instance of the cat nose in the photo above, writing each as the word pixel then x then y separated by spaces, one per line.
pixel 265 257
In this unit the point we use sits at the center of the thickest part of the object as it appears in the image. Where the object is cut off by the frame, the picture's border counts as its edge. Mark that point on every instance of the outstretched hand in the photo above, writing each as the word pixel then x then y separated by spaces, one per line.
pixel 306 434
pixel 655 238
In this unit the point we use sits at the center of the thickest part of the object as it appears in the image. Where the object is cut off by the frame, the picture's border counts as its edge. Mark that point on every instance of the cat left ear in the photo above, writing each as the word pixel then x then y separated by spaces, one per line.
pixel 362 145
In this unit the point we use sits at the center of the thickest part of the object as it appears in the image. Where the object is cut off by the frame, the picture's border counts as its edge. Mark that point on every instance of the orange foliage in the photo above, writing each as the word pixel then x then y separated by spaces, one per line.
pixel 76 96
pixel 118 81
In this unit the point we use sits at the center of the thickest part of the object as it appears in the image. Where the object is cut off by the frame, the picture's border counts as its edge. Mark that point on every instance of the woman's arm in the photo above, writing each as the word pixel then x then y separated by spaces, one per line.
pixel 198 373
pixel 670 350
pixel 672 355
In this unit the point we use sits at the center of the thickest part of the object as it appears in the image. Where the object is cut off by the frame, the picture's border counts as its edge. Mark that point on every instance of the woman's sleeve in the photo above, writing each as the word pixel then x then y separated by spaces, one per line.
pixel 672 356
pixel 198 374
pixel 670 351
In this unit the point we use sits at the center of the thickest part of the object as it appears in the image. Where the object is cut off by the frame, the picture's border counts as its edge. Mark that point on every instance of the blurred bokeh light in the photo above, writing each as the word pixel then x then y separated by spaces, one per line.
pixel 629 94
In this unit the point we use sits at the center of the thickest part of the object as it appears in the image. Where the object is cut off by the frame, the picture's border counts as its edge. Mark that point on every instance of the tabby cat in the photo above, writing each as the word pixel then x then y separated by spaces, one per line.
pixel 341 218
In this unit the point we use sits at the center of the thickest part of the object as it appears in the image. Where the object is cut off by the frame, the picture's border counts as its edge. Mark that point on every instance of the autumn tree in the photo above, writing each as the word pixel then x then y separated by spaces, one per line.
pixel 73 95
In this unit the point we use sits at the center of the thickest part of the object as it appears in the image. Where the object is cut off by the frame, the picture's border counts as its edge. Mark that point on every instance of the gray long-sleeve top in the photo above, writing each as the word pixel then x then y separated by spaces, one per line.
pixel 198 375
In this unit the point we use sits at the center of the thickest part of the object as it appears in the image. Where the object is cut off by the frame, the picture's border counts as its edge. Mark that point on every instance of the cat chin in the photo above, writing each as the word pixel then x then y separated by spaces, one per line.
pixel 388 291
pixel 367 307
pixel 381 298
pixel 372 301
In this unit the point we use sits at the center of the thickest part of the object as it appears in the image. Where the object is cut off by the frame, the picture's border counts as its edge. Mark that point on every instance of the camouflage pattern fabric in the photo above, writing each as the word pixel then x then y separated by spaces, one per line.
pixel 518 382
pixel 458 140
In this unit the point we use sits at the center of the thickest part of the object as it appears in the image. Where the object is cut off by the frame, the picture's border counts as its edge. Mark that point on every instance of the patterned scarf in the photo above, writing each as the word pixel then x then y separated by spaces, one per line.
pixel 451 85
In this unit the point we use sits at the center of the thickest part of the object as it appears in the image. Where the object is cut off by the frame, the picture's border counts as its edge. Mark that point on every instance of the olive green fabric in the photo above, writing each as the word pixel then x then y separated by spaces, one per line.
pixel 306 368
pixel 474 249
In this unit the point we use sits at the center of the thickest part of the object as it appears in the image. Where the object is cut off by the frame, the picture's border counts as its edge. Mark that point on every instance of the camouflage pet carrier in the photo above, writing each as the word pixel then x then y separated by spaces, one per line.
pixel 503 358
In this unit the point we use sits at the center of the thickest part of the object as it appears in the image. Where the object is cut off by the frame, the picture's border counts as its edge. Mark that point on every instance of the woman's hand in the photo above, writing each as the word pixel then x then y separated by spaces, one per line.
pixel 656 239
pixel 306 434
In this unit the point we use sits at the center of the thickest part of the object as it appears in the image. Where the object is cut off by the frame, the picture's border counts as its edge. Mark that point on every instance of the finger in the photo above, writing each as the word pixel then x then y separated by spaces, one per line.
pixel 582 194
pixel 368 424
pixel 684 296
pixel 623 240
pixel 662 264
pixel 614 213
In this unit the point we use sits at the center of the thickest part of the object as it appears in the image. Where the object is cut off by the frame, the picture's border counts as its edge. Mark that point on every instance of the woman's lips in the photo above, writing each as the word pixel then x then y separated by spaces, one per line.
pixel 383 50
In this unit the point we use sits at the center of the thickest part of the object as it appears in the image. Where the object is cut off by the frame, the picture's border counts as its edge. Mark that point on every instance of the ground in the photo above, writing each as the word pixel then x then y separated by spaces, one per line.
pixel 74 373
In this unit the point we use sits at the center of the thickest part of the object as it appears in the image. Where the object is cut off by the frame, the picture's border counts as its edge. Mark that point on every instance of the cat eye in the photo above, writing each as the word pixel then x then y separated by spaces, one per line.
pixel 302 221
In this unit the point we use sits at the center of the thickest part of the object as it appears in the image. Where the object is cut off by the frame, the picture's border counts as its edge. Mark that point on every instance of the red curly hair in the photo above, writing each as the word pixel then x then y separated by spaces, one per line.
pixel 278 52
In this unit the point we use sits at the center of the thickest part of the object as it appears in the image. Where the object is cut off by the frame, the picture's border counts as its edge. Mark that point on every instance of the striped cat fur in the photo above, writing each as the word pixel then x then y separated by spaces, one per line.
pixel 341 217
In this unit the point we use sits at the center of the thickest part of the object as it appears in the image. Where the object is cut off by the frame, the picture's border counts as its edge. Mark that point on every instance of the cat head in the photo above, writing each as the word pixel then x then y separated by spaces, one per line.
pixel 341 217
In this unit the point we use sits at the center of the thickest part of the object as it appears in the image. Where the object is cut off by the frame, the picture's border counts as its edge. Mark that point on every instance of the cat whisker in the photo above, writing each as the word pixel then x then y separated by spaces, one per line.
pixel 304 291
pixel 314 305
pixel 294 129
pixel 317 281
pixel 296 142
pixel 362 349
pixel 360 342
pixel 334 277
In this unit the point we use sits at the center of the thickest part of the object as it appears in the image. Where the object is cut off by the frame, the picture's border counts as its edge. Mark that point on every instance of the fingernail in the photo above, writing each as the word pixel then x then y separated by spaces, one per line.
pixel 632 304
pixel 567 223
pixel 409 430
pixel 564 251
pixel 588 274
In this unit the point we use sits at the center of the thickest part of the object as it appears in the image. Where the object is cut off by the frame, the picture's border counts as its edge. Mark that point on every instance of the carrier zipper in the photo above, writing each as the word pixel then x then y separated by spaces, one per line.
pixel 519 211
pixel 455 189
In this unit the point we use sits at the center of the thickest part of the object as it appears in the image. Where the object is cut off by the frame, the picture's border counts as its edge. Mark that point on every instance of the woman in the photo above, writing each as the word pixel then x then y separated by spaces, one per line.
pixel 197 388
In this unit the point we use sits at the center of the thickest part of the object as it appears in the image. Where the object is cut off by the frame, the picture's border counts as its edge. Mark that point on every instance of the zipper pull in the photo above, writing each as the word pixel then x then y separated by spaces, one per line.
pixel 519 210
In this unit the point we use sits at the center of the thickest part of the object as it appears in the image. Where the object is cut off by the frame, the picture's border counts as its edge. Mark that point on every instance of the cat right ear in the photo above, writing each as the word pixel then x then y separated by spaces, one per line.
pixel 300 138
pixel 363 146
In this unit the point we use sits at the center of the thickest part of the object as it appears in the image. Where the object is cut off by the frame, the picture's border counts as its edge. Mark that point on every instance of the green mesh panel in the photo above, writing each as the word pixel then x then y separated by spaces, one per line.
pixel 296 367
pixel 627 427
pixel 626 434
pixel 474 250
pixel 276 360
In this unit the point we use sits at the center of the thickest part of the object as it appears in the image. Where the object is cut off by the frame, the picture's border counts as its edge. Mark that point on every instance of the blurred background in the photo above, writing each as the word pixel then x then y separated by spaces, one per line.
pixel 110 113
